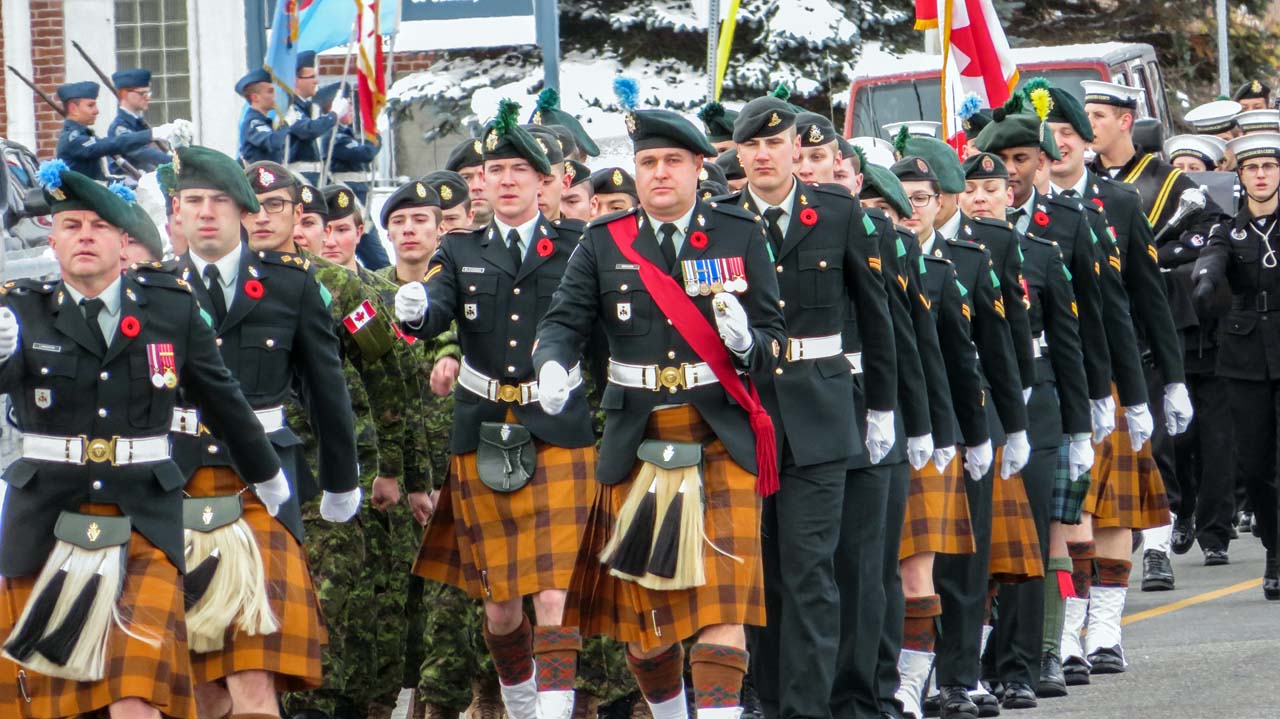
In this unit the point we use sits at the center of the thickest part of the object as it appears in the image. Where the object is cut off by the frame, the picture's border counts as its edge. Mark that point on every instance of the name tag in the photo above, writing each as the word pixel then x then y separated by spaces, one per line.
pixel 46 348
pixel 473 270
pixel 626 267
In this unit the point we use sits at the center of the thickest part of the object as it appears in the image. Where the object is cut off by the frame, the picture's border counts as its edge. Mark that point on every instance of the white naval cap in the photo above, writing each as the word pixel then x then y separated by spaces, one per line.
pixel 1259 144
pixel 917 128
pixel 1213 117
pixel 1205 147
pixel 877 151
pixel 1259 121
pixel 1110 93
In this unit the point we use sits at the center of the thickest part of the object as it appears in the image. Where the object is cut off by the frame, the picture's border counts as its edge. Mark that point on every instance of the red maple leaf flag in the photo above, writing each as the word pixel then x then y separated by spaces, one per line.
pixel 359 317
pixel 370 66
pixel 976 59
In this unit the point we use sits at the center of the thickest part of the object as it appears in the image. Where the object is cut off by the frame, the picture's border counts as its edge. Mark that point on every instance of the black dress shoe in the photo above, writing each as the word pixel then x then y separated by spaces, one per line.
pixel 1076 672
pixel 988 705
pixel 1052 681
pixel 1107 661
pixel 1184 535
pixel 1157 572
pixel 1245 522
pixel 1216 557
pixel 954 703
pixel 751 707
pixel 1018 695
pixel 1271 579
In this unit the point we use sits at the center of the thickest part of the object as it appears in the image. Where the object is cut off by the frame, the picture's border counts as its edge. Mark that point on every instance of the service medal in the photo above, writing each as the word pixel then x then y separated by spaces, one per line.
pixel 157 380
pixel 170 379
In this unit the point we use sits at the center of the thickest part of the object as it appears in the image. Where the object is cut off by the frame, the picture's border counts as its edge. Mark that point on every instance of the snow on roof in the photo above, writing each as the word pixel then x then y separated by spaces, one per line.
pixel 877 61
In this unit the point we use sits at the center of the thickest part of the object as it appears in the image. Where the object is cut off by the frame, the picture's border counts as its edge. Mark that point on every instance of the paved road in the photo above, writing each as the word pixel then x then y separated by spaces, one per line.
pixel 1210 648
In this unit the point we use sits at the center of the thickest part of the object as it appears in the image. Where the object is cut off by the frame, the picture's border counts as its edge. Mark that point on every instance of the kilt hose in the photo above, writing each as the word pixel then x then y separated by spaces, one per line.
pixel 293 652
pixel 1127 491
pixel 152 607
pixel 937 517
pixel 600 603
pixel 1015 539
pixel 961 580
pixel 1068 496
pixel 505 545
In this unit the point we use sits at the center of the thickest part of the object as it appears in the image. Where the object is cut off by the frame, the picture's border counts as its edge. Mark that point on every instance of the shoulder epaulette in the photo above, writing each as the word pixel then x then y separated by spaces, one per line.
pixel 569 225
pixel 26 285
pixel 1069 202
pixel 730 197
pixel 834 188
pixel 603 220
pixel 966 244
pixel 732 210
pixel 992 223
pixel 1040 240
pixel 285 259
pixel 1113 182
pixel 932 258
pixel 156 274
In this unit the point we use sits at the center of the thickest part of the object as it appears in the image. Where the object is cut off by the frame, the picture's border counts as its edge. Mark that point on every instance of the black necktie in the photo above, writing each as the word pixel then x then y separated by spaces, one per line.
pixel 668 244
pixel 773 215
pixel 1070 193
pixel 91 310
pixel 1015 215
pixel 513 246
pixel 213 280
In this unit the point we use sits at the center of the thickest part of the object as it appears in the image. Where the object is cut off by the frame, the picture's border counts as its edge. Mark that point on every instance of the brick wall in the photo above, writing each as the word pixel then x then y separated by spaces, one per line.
pixel 405 63
pixel 49 69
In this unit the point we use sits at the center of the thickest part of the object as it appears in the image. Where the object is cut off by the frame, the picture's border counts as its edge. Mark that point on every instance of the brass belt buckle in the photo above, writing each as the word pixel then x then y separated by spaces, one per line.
pixel 799 355
pixel 672 378
pixel 101 450
pixel 508 392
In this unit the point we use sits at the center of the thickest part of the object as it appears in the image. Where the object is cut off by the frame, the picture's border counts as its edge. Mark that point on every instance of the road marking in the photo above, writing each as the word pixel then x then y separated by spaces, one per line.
pixel 1190 601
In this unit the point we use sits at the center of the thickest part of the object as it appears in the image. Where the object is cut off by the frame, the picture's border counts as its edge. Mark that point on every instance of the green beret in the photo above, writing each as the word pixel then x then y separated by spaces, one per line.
pixel 613 180
pixel 718 121
pixel 450 186
pixel 313 201
pixel 506 140
pixel 1016 130
pixel 763 117
pixel 577 172
pixel 66 190
pixel 985 166
pixel 1252 90
pixel 468 153
pixel 143 230
pixel 265 176
pixel 815 130
pixel 732 166
pixel 975 122
pixel 880 182
pixel 414 193
pixel 568 142
pixel 547 112
pixel 1064 107
pixel 711 172
pixel 548 143
pixel 913 169
pixel 846 148
pixel 199 168
pixel 942 158
pixel 342 202
pixel 652 129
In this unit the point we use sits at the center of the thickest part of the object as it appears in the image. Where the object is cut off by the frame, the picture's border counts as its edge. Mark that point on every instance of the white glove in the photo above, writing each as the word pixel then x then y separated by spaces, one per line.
pixel 942 457
pixel 340 105
pixel 977 460
pixel 553 387
pixel 731 321
pixel 183 134
pixel 1141 425
pixel 293 115
pixel 1177 408
pixel 339 507
pixel 880 434
pixel 8 333
pixel 163 132
pixel 1079 458
pixel 411 302
pixel 273 492
pixel 1102 412
pixel 1017 450
pixel 1026 395
pixel 919 449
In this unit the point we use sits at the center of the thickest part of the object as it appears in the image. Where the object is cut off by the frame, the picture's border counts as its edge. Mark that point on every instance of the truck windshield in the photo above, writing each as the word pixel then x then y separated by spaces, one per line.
pixel 875 106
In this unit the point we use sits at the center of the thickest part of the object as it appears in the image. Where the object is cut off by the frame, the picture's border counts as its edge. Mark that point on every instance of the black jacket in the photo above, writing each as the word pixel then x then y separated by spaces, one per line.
pixel 952 311
pixel 1006 260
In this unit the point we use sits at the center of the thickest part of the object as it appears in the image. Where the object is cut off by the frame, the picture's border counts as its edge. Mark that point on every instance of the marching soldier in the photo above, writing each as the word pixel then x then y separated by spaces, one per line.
pixel 93 363
pixel 455 200
pixel 519 485
pixel 260 139
pixel 577 201
pixel 308 124
pixel 826 266
pixel 668 411
pixel 133 92
pixel 1240 260
pixel 349 164
pixel 467 159
pixel 80 148
pixel 613 189
pixel 273 327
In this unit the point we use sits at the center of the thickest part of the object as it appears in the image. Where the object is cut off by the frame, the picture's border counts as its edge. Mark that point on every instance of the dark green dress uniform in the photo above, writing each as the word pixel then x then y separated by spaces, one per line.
pixel 826 265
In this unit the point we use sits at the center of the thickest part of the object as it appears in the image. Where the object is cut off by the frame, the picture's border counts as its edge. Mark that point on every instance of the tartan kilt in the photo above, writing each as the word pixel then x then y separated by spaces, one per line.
pixel 152 607
pixel 293 652
pixel 1127 490
pixel 1068 496
pixel 1015 544
pixel 505 545
pixel 937 516
pixel 600 603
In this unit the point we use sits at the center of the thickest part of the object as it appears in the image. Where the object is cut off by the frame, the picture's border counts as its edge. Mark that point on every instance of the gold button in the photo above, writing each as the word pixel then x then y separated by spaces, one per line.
pixel 668 322
pixel 671 354
pixel 512 343
pixel 97 484
pixel 779 269
pixel 471 288
pixel 822 264
pixel 782 303
pixel 778 371
pixel 104 376
pixel 516 291
pixel 102 411
pixel 213 449
pixel 44 370
pixel 623 288
pixel 271 342
pixel 515 318
pixel 510 368
pixel 217 341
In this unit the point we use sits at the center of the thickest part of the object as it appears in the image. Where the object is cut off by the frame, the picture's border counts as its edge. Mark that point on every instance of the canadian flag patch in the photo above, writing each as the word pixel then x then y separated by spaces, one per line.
pixel 359 317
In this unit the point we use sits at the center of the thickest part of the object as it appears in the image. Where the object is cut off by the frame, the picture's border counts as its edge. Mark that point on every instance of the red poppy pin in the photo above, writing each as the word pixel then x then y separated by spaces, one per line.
pixel 1041 219
pixel 253 288
pixel 545 247
pixel 130 326
pixel 698 240
pixel 1098 201
pixel 809 217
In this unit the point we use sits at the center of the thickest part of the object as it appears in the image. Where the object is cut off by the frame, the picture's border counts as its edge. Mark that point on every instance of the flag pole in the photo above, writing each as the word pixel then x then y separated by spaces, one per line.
pixel 390 142
pixel 346 69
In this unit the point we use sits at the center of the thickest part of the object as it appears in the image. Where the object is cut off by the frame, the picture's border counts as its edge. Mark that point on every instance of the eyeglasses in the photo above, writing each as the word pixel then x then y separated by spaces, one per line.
pixel 275 205
pixel 141 93
pixel 921 199
pixel 1266 167
pixel 306 77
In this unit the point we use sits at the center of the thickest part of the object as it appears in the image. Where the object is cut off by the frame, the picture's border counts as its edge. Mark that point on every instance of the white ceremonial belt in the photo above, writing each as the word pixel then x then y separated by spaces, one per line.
pixel 187 421
pixel 1039 345
pixel 348 176
pixel 491 389
pixel 306 166
pixel 655 377
pixel 855 362
pixel 805 348
pixel 79 450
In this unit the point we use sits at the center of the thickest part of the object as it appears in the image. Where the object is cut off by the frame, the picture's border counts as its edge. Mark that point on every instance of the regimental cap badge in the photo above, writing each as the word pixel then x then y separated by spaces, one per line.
pixel 774 120
pixel 815 134
pixel 542 145
pixel 617 178
pixel 206 517
pixel 306 194
pixel 93 531
pixel 445 193
pixel 631 124
pixel 1256 86
pixel 177 165
pixel 702 175
pixel 265 177
pixel 57 194
pixel 491 140
pixel 537 117
pixel 343 200
pixel 476 147
pixel 568 170
pixel 988 164
pixel 422 191
pixel 921 166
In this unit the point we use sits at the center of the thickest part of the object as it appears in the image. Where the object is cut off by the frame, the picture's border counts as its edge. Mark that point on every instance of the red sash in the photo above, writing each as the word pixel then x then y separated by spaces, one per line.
pixel 706 343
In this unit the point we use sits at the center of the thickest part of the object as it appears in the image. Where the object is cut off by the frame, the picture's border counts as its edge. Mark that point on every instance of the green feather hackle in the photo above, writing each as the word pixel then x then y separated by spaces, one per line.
pixel 506 119
pixel 900 141
pixel 548 99
pixel 782 92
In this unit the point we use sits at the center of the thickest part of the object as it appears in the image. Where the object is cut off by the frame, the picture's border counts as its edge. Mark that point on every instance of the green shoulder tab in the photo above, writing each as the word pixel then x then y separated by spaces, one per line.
pixel 1066 271
pixel 324 294
pixel 1021 257
pixel 208 319
pixel 921 258
pixel 963 291
pixel 902 249
pixel 1093 236
pixel 995 281
pixel 870 226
